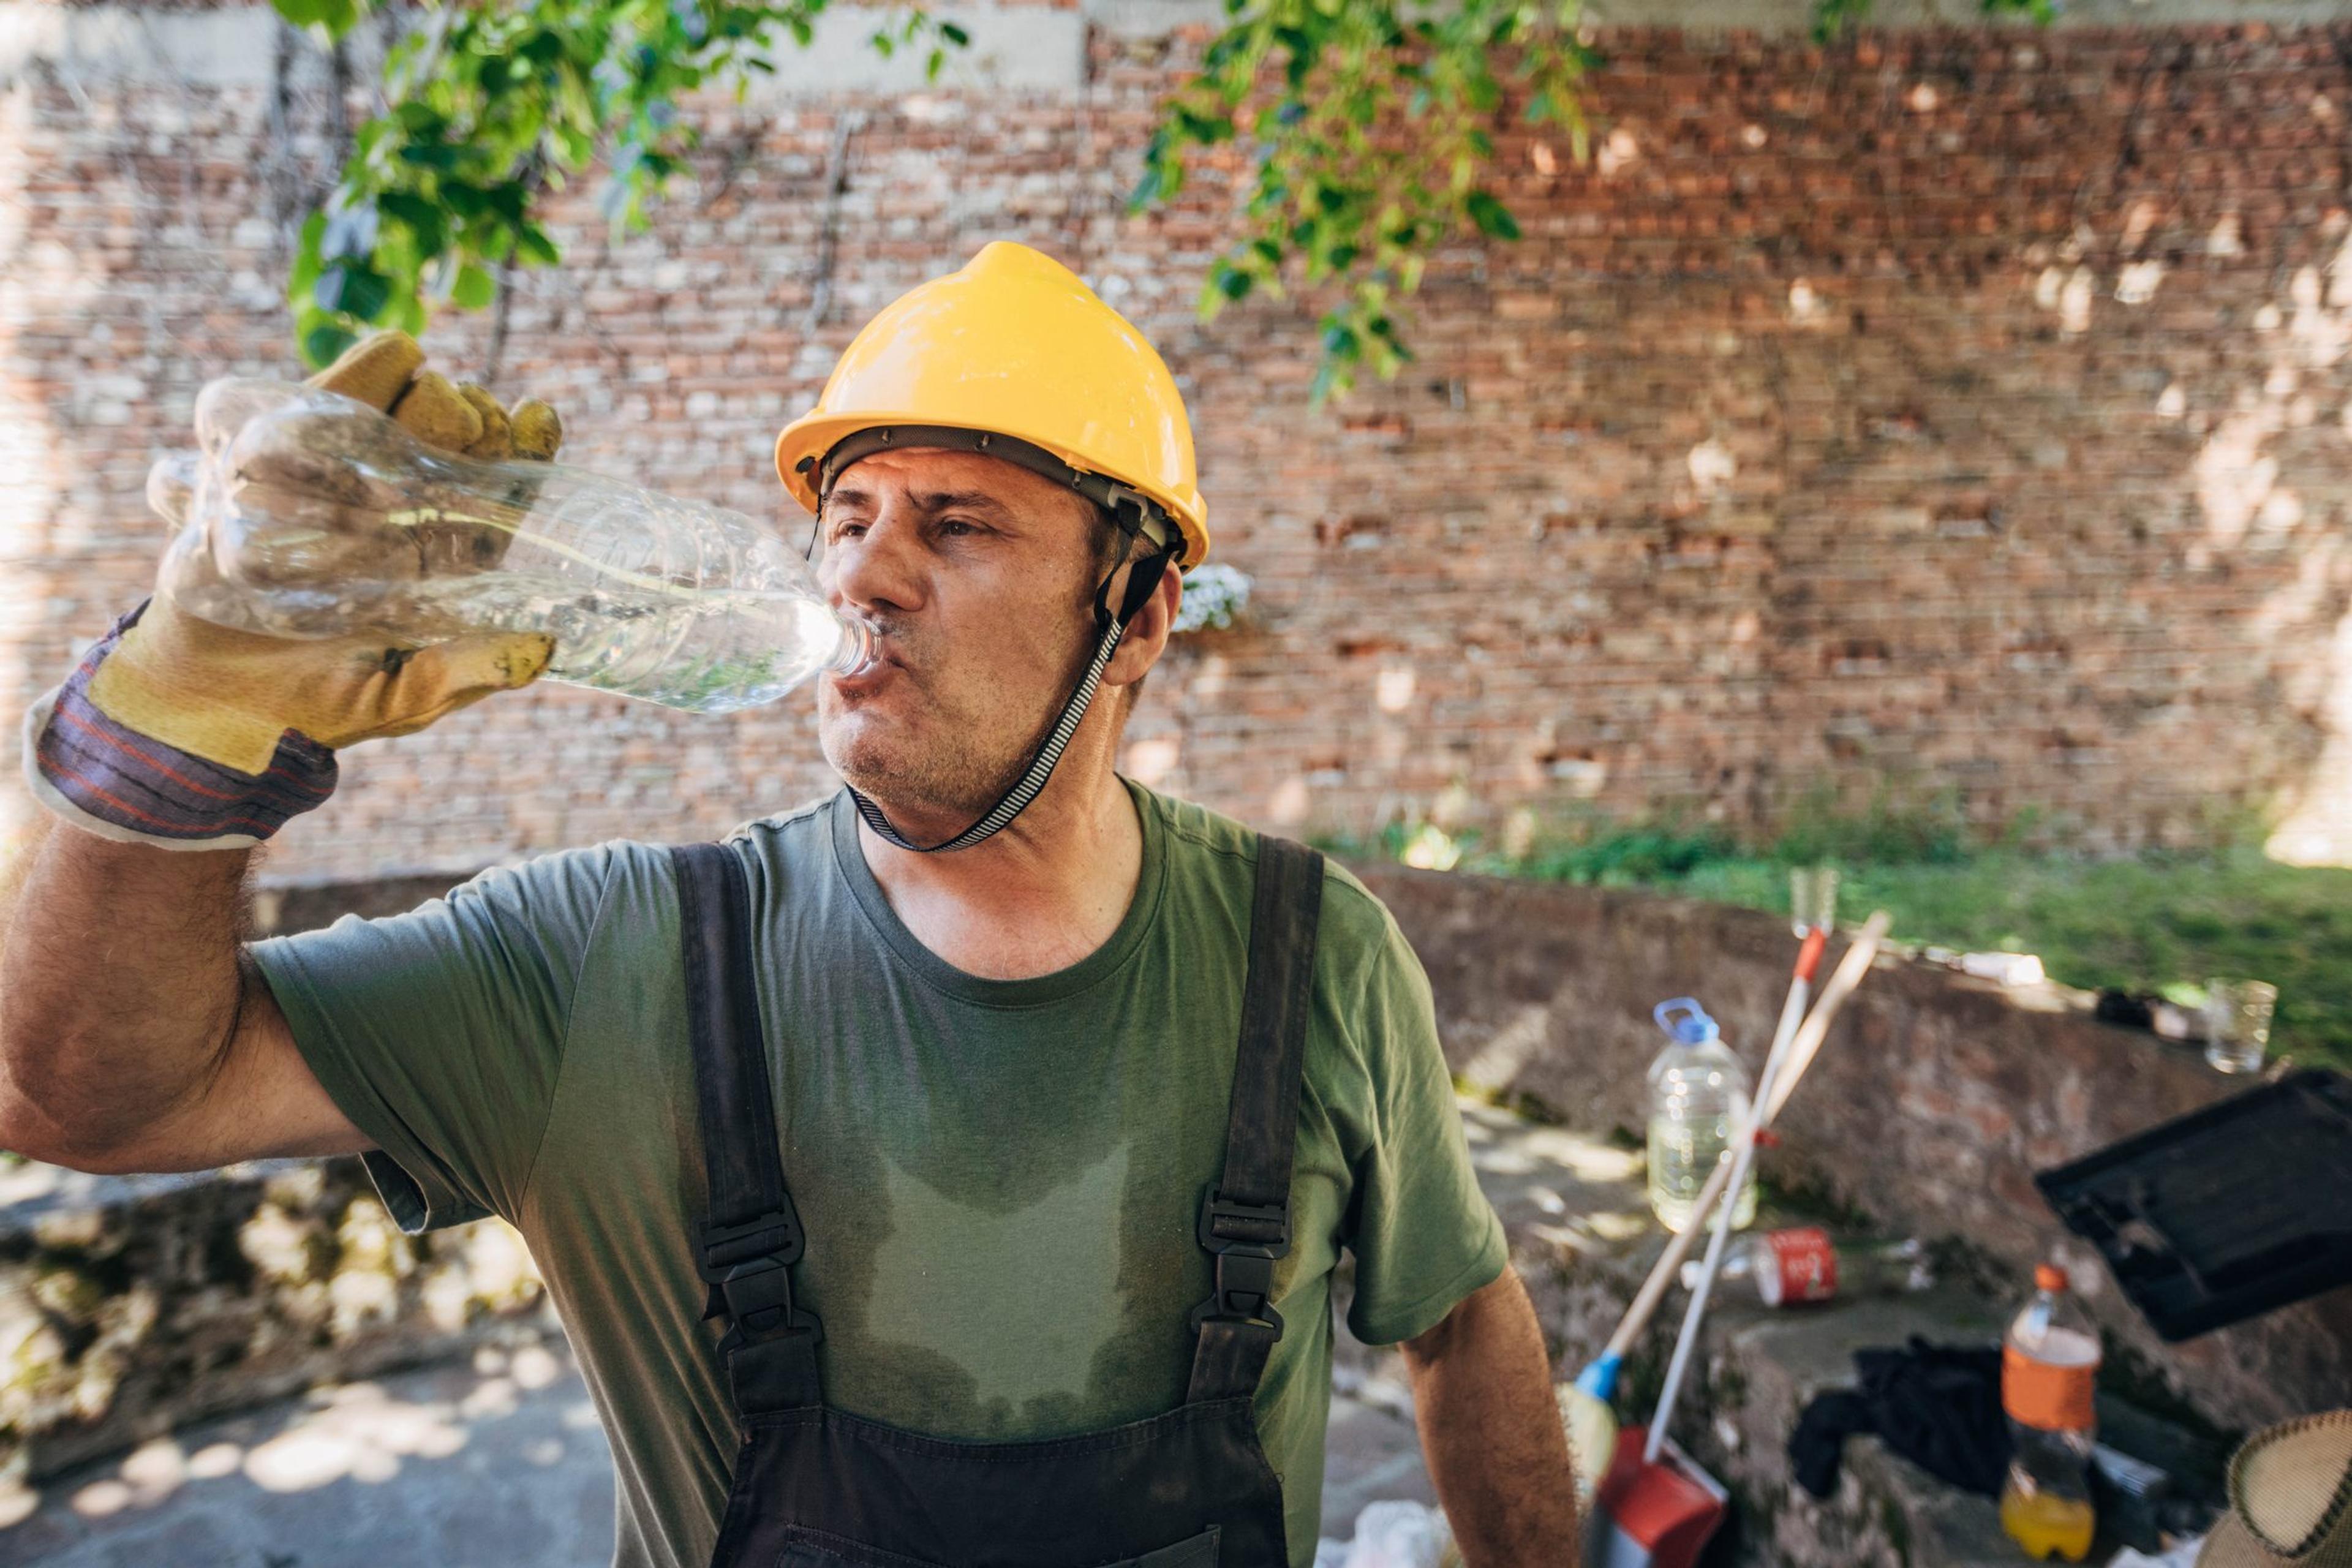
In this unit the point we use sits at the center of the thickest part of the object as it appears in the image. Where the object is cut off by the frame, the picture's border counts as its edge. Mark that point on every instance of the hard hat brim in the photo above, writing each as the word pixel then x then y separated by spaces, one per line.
pixel 802 445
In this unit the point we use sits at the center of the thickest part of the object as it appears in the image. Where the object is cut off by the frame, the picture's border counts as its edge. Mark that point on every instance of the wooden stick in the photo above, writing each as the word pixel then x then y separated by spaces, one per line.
pixel 1816 1027
pixel 1802 1051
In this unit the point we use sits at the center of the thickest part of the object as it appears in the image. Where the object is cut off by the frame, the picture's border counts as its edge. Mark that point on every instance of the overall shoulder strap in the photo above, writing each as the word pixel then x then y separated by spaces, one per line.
pixel 1245 1216
pixel 752 1236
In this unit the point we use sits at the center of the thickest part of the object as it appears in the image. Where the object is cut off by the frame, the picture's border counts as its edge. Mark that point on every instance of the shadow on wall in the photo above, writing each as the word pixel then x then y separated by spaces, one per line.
pixel 2245 505
pixel 2068 533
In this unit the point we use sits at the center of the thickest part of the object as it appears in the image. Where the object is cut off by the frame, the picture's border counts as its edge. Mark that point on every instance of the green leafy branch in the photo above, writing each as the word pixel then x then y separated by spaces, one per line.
pixel 1832 19
pixel 492 105
pixel 1371 124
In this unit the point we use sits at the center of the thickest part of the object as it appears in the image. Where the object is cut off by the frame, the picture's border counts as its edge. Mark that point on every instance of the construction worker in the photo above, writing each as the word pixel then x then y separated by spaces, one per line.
pixel 952 1171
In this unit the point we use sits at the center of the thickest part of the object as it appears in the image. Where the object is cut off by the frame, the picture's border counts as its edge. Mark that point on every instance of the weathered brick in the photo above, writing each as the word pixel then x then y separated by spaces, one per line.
pixel 1785 454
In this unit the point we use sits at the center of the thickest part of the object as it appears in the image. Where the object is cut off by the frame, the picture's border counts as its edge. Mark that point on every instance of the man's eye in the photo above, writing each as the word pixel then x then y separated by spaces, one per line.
pixel 957 528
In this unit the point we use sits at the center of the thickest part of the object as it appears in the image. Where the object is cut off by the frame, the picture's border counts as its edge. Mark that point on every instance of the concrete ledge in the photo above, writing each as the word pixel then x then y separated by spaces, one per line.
pixel 1929 1111
pixel 108 43
pixel 1017 49
pixel 1784 18
pixel 1795 18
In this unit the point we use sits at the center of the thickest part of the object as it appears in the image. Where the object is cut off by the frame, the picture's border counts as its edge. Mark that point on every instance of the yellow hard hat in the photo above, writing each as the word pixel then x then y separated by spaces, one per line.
pixel 1014 345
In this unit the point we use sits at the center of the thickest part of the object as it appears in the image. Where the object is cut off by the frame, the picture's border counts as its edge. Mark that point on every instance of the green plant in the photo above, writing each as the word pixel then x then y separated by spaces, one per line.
pixel 2164 920
pixel 1832 19
pixel 1888 831
pixel 489 108
pixel 1369 125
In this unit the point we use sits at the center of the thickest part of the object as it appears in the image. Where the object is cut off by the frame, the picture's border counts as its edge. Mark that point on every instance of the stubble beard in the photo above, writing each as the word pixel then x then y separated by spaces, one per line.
pixel 959 760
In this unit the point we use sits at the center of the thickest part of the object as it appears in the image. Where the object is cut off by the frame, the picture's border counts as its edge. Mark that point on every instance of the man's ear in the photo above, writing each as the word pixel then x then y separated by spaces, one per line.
pixel 1146 634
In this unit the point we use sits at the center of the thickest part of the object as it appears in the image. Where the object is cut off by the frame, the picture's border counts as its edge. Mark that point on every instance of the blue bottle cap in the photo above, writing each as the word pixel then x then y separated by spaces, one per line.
pixel 1686 1020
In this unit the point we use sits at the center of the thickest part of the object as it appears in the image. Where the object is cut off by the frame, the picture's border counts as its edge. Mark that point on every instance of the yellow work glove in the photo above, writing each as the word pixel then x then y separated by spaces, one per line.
pixel 177 731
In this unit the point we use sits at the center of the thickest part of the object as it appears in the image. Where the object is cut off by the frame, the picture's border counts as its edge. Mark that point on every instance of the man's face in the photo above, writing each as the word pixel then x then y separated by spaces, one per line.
pixel 979 575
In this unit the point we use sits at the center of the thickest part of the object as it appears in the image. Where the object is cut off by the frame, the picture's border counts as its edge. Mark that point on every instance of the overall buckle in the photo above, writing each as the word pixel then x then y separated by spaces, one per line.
pixel 776 1234
pixel 756 1297
pixel 1245 1239
pixel 749 1270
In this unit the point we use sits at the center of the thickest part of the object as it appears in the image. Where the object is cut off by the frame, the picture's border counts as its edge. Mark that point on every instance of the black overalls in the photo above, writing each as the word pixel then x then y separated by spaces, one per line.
pixel 817 1487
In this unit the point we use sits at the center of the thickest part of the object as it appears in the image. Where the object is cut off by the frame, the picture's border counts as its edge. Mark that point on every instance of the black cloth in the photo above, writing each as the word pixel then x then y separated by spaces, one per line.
pixel 1936 1405
pixel 816 1487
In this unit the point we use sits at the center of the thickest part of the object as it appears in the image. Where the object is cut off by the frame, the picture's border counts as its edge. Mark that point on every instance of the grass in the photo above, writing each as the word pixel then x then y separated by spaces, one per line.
pixel 2154 922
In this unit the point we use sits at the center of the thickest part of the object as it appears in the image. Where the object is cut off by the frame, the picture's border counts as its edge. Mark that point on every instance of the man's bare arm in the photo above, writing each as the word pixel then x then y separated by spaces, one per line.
pixel 1491 1431
pixel 133 1037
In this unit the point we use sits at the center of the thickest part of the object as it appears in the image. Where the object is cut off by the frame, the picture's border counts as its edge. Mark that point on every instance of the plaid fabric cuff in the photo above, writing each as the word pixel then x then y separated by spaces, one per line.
pixel 121 785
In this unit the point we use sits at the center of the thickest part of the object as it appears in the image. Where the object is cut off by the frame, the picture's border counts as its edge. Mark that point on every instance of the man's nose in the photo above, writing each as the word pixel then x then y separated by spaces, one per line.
pixel 878 570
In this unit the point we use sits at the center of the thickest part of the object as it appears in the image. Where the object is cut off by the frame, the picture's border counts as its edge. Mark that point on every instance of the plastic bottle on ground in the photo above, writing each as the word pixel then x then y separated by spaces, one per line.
pixel 1699 1096
pixel 306 514
pixel 1802 1265
pixel 2050 1363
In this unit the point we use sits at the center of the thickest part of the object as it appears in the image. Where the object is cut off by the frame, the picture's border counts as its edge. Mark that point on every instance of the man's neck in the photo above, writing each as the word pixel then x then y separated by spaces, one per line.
pixel 1039 896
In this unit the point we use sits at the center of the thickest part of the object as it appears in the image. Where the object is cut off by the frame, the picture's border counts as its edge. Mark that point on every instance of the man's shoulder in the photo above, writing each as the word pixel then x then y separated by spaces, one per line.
pixel 1354 925
pixel 793 825
pixel 630 881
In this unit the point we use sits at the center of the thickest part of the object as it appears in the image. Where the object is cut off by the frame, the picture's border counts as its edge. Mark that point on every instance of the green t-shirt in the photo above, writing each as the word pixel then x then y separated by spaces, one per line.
pixel 999 1179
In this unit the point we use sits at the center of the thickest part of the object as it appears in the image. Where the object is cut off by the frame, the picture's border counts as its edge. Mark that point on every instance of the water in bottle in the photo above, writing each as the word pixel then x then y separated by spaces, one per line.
pixel 2049 1364
pixel 305 514
pixel 1699 1098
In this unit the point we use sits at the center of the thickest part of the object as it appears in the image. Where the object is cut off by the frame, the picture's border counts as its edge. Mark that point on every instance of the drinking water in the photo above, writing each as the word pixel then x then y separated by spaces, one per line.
pixel 1699 1097
pixel 306 514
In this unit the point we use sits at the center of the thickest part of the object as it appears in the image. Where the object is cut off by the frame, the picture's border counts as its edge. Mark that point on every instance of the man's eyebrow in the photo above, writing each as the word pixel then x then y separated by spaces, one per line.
pixel 961 500
pixel 933 501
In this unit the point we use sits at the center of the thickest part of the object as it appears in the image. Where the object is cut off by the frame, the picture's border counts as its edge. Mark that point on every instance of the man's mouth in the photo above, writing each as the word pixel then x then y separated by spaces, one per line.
pixel 887 663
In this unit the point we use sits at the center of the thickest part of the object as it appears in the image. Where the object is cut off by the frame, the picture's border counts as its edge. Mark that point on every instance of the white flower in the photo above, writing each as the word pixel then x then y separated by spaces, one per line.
pixel 1213 595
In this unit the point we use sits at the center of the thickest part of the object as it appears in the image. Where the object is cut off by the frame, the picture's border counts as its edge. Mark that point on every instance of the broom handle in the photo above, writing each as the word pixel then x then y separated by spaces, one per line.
pixel 1742 1161
pixel 1807 1045
pixel 1802 1051
pixel 1678 1245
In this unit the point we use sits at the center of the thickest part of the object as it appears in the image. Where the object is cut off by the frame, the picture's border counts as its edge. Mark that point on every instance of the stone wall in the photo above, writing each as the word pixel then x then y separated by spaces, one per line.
pixel 1955 415
pixel 1928 1110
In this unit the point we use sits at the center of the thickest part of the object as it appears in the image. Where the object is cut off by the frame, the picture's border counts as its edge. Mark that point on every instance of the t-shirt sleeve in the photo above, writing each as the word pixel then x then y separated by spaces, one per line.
pixel 439 1033
pixel 1423 1233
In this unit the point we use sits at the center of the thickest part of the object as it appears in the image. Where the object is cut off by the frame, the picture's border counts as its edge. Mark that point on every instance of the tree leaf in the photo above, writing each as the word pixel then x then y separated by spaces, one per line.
pixel 354 289
pixel 307 262
pixel 533 244
pixel 323 344
pixel 473 290
pixel 1493 218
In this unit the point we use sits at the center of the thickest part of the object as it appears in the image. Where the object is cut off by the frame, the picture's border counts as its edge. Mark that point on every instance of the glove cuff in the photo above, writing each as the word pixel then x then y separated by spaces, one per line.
pixel 109 779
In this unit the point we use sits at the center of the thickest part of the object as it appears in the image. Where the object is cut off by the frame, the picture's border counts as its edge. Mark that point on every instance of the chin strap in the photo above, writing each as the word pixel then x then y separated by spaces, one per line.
pixel 1140 586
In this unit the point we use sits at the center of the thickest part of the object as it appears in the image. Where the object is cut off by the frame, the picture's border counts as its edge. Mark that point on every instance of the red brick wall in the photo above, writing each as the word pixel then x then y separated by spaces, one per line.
pixel 1803 445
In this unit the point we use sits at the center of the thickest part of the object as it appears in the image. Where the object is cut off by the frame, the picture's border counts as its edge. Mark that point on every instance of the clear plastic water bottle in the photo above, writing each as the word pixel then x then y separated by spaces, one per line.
pixel 306 514
pixel 1699 1096
pixel 2049 1365
pixel 1800 1265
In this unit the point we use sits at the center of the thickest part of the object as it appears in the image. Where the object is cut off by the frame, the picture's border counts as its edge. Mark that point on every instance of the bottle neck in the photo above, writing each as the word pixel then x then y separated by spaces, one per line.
pixel 856 648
